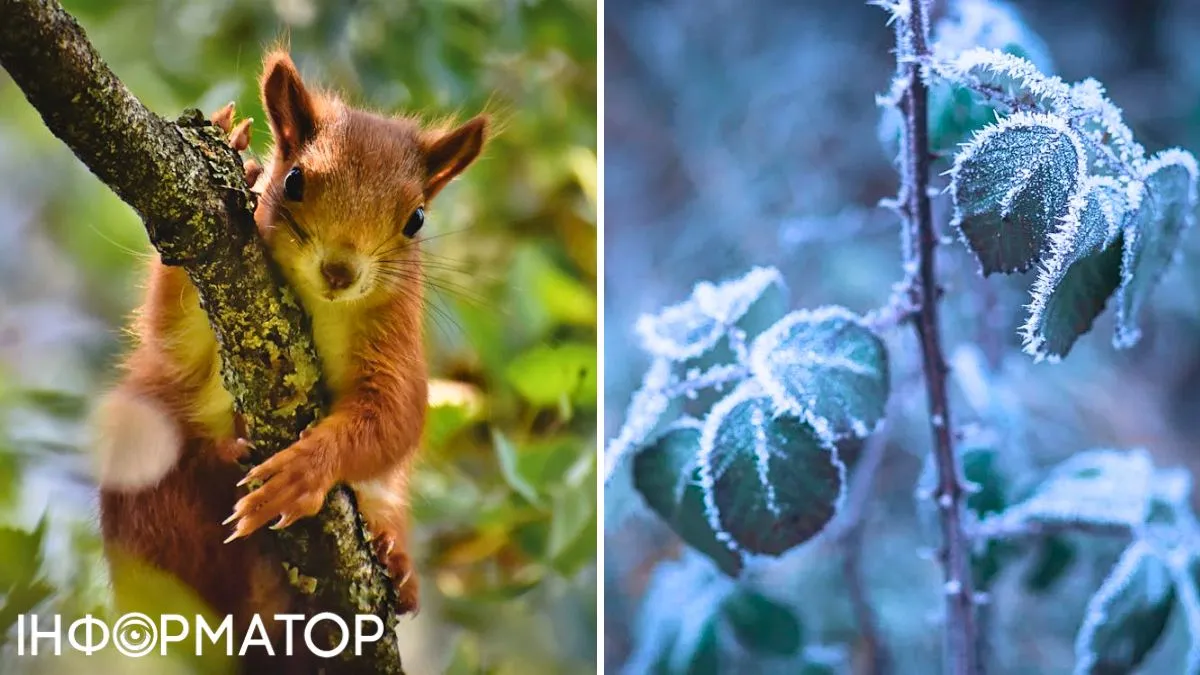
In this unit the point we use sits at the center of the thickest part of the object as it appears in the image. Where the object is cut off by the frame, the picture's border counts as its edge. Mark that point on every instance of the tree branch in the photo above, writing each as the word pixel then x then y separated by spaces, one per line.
pixel 187 185
pixel 913 49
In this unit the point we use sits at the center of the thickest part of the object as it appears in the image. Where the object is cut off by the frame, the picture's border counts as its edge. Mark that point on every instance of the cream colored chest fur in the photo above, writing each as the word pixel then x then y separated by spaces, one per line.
pixel 332 327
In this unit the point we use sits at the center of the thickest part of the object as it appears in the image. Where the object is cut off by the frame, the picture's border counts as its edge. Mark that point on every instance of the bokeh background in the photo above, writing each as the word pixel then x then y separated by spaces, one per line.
pixel 745 134
pixel 505 498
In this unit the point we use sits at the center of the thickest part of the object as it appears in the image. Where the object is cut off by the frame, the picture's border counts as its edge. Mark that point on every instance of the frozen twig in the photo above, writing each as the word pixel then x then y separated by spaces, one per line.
pixel 912 26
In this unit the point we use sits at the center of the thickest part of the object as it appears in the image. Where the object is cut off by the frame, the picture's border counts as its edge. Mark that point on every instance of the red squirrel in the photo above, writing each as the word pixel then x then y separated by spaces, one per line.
pixel 341 203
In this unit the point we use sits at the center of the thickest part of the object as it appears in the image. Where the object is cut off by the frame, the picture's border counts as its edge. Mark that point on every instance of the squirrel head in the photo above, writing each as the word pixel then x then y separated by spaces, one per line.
pixel 344 194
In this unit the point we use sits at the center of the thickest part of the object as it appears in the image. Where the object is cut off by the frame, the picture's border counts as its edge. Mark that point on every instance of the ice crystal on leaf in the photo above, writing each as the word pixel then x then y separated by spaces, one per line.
pixel 694 326
pixel 771 480
pixel 1127 615
pixel 1102 487
pixel 1011 184
pixel 1152 234
pixel 1082 269
pixel 646 409
pixel 826 366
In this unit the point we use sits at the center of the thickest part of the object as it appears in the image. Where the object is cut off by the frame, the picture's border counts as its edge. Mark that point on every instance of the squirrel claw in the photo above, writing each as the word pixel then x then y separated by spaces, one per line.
pixel 239 138
pixel 224 117
pixel 253 170
pixel 290 490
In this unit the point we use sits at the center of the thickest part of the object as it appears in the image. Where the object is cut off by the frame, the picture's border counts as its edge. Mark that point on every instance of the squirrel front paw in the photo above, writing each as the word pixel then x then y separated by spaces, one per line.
pixel 293 487
pixel 239 139
pixel 402 571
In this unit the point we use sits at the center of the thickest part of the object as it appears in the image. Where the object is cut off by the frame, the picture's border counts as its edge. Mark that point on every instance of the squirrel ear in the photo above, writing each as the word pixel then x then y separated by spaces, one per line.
pixel 446 155
pixel 289 106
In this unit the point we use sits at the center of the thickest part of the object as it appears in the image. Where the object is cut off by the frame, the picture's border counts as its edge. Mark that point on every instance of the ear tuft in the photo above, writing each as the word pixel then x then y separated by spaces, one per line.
pixel 290 108
pixel 448 154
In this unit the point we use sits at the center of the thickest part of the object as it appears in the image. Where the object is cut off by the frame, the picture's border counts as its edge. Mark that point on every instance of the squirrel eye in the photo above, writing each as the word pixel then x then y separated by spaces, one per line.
pixel 293 185
pixel 415 221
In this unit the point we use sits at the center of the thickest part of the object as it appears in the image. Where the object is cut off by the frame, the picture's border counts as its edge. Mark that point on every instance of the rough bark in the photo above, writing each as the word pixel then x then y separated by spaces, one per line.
pixel 187 186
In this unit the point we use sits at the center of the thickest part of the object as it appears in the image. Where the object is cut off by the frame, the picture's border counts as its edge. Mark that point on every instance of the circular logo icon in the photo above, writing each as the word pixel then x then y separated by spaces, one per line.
pixel 135 635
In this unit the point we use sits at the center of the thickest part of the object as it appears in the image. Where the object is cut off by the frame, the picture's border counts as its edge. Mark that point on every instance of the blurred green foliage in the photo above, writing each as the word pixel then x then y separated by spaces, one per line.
pixel 504 499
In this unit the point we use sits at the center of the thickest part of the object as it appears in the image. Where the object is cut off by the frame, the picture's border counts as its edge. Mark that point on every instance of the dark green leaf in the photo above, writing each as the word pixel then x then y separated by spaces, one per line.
pixel 667 475
pixel 771 480
pixel 826 367
pixel 1011 184
pixel 980 468
pixel 1126 616
pixel 1152 235
pixel 762 624
pixel 1082 271
pixel 1054 557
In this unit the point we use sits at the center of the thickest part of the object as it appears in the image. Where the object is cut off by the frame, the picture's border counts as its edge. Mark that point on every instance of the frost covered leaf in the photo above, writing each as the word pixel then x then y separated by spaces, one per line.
pixel 825 366
pixel 955 112
pixel 980 468
pixel 648 406
pixel 1011 184
pixel 1082 271
pixel 1152 234
pixel 1095 486
pixel 771 480
pixel 762 624
pixel 1016 78
pixel 694 326
pixel 1127 616
pixel 667 475
pixel 1053 558
pixel 678 622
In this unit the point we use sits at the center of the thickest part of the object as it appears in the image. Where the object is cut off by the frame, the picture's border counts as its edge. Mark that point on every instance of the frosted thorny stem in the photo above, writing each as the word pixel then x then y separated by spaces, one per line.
pixel 912 46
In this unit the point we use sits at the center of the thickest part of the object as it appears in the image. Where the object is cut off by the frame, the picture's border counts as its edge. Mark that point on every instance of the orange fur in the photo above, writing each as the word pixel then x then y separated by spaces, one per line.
pixel 363 177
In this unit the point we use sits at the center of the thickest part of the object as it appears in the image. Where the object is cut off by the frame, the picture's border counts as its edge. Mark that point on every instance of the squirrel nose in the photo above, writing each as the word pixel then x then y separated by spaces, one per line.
pixel 338 275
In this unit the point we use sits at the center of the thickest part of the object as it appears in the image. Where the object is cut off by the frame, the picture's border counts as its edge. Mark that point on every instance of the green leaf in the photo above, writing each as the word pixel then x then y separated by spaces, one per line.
pixel 22 554
pixel 1152 235
pixel 62 404
pixel 21 599
pixel 980 468
pixel 453 406
pixel 667 475
pixel 1127 615
pixel 771 480
pixel 549 295
pixel 506 456
pixel 826 367
pixel 1011 184
pixel 571 542
pixel 762 624
pixel 546 375
pixel 1053 558
pixel 1082 271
